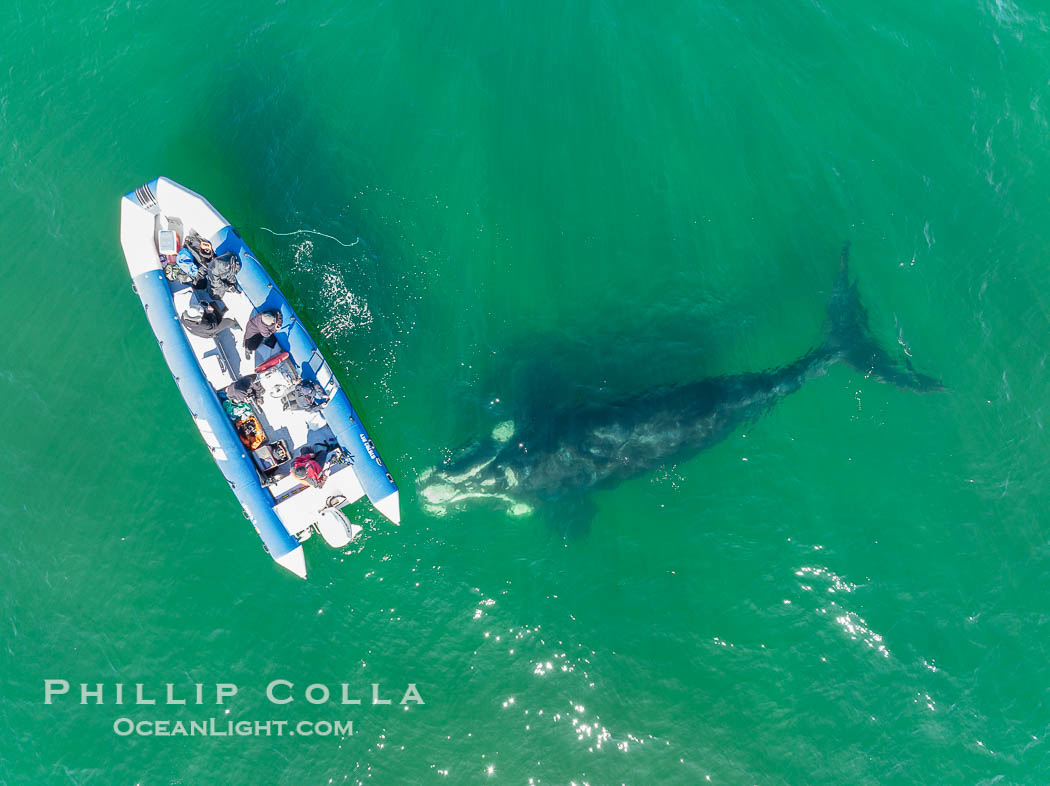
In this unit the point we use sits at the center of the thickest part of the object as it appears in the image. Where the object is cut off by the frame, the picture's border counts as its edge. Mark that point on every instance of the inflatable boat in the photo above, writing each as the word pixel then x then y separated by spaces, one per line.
pixel 278 424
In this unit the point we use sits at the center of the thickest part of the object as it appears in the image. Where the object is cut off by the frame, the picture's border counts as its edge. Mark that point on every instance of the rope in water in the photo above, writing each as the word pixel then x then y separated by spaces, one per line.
pixel 311 232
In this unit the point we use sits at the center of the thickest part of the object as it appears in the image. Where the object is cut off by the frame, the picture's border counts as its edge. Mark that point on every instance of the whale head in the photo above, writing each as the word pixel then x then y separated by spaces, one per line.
pixel 475 475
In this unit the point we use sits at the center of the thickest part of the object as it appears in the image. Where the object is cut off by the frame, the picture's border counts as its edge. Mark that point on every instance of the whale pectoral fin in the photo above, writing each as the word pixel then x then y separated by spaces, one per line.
pixel 571 516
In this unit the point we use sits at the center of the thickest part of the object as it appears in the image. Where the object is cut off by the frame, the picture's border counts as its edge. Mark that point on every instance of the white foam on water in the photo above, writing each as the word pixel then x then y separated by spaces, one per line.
pixel 346 309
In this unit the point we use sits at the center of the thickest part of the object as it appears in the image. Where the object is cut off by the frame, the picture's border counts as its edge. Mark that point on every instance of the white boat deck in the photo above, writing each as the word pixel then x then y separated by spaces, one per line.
pixel 222 360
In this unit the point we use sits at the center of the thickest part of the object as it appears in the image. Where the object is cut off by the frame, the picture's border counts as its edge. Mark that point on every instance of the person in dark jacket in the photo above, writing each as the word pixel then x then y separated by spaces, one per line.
pixel 207 321
pixel 247 388
pixel 222 275
pixel 260 330
pixel 307 395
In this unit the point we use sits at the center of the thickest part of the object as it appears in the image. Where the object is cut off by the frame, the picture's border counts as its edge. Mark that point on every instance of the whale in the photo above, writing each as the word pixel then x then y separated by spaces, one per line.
pixel 556 461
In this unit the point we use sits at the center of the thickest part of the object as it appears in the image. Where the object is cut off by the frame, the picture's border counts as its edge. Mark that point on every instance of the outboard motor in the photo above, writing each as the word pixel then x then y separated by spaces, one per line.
pixel 334 525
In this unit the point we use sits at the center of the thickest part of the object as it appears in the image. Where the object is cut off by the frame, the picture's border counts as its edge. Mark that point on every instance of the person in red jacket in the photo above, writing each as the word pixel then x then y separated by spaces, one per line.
pixel 307 470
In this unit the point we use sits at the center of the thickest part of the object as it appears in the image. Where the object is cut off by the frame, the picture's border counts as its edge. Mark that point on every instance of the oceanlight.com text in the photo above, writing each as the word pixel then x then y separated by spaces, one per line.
pixel 126 727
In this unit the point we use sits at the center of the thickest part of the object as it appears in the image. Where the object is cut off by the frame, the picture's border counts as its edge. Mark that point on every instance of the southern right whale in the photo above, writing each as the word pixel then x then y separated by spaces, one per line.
pixel 559 458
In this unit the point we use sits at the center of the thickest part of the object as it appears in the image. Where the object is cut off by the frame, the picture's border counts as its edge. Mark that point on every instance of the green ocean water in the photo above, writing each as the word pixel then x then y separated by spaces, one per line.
pixel 528 204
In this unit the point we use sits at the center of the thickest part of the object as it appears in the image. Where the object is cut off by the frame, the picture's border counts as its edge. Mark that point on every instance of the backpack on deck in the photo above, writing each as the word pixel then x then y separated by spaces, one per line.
pixel 173 272
pixel 193 244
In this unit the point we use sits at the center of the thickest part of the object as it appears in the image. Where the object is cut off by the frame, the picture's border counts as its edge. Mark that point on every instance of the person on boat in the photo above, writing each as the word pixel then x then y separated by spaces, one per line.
pixel 260 330
pixel 247 388
pixel 306 395
pixel 206 321
pixel 222 275
pixel 308 470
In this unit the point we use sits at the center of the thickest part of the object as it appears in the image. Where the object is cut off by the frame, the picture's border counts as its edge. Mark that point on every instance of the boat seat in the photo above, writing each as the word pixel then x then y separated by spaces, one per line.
pixel 215 371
